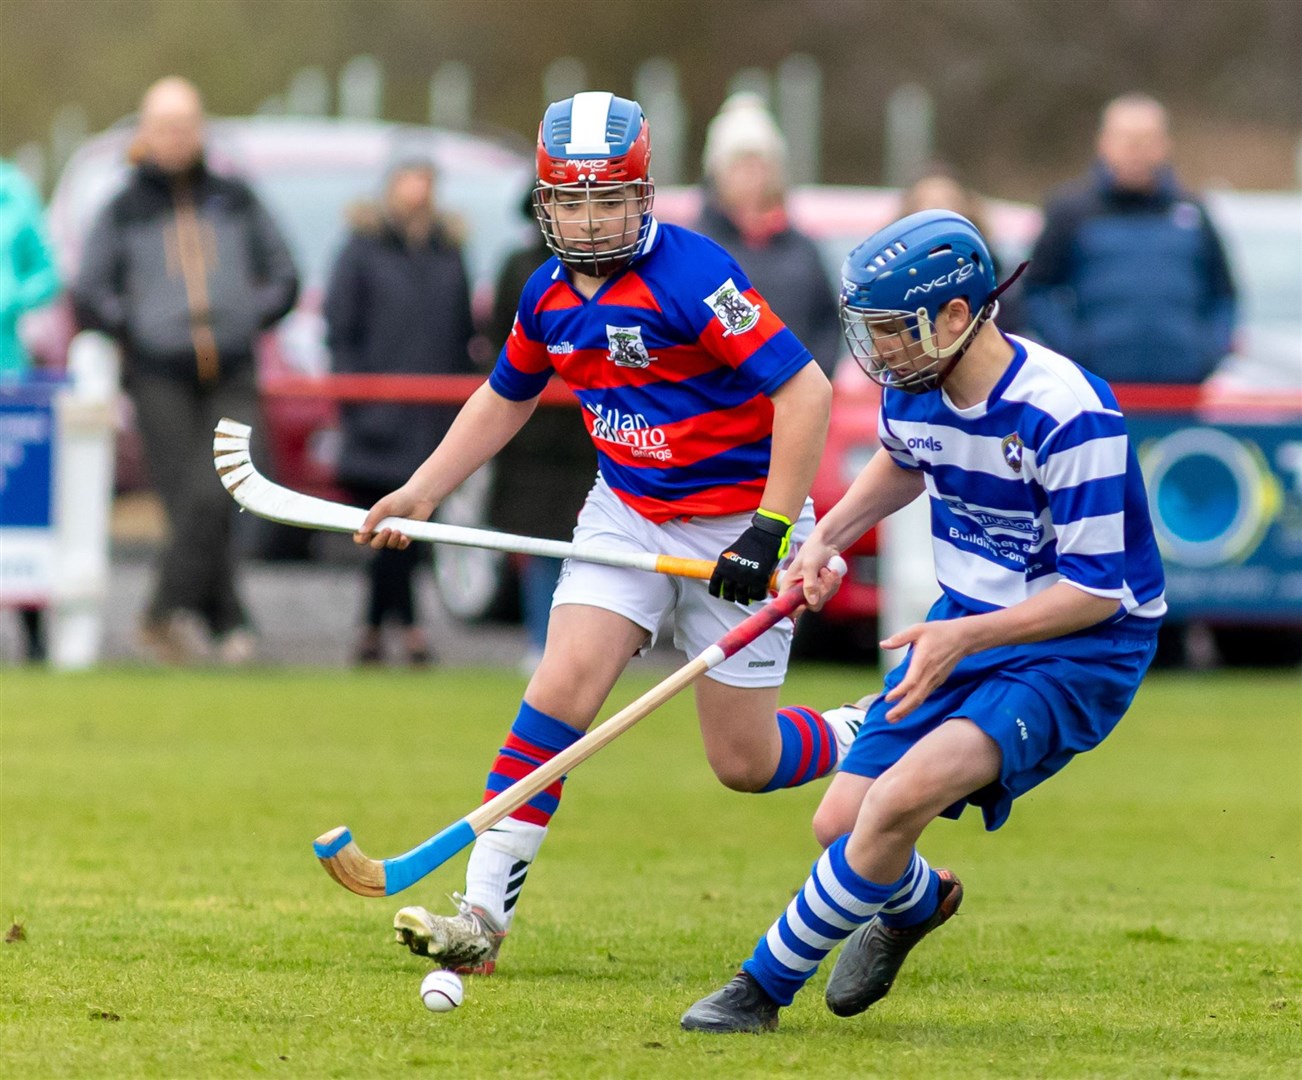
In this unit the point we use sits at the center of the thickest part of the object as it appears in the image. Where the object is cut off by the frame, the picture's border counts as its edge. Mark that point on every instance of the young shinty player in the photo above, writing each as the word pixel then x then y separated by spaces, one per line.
pixel 709 418
pixel 1052 592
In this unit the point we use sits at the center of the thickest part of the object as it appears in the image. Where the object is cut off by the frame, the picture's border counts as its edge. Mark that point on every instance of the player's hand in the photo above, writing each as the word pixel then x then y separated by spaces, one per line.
pixel 744 570
pixel 937 649
pixel 403 503
pixel 810 568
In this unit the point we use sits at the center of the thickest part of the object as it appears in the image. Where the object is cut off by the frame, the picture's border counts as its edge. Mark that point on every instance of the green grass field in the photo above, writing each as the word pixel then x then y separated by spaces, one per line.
pixel 1138 917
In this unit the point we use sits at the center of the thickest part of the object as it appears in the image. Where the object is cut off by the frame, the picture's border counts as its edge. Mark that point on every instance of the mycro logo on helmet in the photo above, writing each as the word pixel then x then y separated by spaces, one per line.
pixel 590 164
pixel 954 277
pixel 928 443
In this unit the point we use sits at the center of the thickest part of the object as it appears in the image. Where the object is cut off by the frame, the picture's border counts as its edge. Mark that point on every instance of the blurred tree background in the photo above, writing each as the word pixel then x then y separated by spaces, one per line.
pixel 1017 84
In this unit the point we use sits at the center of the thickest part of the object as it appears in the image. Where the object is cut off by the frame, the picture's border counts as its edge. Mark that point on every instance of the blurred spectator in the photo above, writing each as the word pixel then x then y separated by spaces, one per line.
pixel 397 302
pixel 940 187
pixel 745 211
pixel 28 279
pixel 185 268
pixel 1129 277
pixel 543 475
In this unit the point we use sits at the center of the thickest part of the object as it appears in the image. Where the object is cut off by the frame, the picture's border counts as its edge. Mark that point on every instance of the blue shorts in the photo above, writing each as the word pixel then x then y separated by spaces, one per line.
pixel 1042 703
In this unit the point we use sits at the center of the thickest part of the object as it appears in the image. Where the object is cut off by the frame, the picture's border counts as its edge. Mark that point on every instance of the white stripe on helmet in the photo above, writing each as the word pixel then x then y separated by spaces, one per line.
pixel 588 118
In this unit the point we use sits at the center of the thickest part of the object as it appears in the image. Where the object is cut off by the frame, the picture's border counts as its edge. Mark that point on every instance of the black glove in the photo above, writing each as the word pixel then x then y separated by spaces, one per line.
pixel 743 571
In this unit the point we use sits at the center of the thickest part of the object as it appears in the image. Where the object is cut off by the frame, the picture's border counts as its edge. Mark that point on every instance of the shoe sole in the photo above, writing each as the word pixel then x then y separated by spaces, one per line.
pixel 722 1027
pixel 411 931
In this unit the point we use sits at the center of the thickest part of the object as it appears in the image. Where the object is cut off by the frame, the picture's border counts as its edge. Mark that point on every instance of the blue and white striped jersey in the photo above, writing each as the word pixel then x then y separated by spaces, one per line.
pixel 1036 485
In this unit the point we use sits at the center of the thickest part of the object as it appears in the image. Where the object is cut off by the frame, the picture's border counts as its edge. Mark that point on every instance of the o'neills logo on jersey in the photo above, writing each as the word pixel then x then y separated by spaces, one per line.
pixel 1012 447
pixel 631 430
pixel 929 443
pixel 626 347
pixel 732 309
pixel 563 348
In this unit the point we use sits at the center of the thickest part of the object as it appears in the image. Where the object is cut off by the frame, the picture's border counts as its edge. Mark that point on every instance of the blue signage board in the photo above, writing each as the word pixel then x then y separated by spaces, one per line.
pixel 1226 500
pixel 27 429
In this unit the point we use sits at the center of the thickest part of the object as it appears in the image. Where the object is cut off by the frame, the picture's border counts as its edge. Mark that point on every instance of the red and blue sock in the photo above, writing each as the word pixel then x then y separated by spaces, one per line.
pixel 809 748
pixel 534 738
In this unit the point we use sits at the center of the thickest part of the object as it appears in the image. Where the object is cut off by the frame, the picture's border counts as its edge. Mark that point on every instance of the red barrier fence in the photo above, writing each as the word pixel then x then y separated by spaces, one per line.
pixel 455 389
pixel 415 389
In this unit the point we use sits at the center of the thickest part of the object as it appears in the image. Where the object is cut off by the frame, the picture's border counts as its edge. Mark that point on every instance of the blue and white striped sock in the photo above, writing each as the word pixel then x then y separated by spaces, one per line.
pixel 834 903
pixel 916 900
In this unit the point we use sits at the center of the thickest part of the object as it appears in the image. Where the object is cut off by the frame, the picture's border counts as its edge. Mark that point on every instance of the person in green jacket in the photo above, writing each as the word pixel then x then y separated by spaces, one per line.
pixel 28 277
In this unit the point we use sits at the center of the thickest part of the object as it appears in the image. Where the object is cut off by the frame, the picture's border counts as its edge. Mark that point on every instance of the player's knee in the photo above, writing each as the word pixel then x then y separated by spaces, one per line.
pixel 738 773
pixel 831 823
pixel 892 803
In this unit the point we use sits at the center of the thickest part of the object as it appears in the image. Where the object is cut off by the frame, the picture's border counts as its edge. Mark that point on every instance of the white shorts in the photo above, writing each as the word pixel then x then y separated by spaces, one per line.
pixel 647 598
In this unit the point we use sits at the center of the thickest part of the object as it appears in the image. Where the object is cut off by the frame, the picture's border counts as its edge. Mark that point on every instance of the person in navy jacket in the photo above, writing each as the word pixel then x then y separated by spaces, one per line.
pixel 1129 277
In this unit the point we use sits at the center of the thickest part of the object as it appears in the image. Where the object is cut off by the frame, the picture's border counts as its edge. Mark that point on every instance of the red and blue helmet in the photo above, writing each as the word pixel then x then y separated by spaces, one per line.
pixel 894 285
pixel 594 152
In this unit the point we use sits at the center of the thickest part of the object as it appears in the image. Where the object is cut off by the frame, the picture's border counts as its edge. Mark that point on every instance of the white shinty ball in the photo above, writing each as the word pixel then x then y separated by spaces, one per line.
pixel 441 991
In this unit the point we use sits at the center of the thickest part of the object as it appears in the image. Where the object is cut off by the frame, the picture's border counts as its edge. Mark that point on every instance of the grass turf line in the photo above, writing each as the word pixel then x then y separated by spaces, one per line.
pixel 1138 916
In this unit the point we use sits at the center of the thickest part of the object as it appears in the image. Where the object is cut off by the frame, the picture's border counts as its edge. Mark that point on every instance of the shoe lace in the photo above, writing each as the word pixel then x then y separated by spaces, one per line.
pixel 463 906
pixel 482 923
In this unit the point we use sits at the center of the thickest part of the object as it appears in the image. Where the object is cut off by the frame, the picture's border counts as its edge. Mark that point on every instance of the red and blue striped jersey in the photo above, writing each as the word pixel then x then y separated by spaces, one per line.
pixel 673 362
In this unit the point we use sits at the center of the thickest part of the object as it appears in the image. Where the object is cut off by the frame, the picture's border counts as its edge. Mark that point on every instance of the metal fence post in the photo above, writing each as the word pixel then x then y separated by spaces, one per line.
pixel 800 115
pixel 655 86
pixel 450 94
pixel 361 86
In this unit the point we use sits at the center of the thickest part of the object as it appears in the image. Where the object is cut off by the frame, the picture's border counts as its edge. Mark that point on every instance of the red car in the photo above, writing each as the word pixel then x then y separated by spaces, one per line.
pixel 838 219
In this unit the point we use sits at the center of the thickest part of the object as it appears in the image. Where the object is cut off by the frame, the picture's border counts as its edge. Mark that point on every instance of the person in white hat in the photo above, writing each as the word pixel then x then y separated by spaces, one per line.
pixel 745 163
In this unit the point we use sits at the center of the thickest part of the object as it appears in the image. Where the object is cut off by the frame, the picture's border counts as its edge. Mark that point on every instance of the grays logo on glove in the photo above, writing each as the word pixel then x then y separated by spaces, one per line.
pixel 743 572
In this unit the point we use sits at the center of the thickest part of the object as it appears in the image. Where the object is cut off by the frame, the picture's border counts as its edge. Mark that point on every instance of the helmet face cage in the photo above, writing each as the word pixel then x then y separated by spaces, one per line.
pixel 594 228
pixel 898 349
pixel 894 348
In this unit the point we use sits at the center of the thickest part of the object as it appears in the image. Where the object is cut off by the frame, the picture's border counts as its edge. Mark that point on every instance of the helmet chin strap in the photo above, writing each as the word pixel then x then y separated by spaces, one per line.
pixel 955 351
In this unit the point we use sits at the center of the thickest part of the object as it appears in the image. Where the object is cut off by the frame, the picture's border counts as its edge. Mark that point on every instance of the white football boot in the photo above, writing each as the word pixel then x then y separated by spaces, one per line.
pixel 846 720
pixel 466 943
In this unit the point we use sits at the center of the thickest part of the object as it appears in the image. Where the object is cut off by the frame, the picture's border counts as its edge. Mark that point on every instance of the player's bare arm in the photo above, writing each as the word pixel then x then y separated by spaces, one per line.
pixel 485 424
pixel 877 492
pixel 801 409
pixel 939 646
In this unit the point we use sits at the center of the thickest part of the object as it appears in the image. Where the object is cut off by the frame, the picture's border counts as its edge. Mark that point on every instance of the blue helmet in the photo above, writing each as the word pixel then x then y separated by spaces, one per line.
pixel 593 157
pixel 894 286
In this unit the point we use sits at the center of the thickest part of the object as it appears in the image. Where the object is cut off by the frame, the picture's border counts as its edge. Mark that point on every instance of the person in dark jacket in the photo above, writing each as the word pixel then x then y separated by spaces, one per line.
pixel 397 303
pixel 185 268
pixel 1129 277
pixel 542 476
pixel 745 213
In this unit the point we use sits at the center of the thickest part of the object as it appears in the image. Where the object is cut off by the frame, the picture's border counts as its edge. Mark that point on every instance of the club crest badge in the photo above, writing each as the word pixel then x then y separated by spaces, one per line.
pixel 732 309
pixel 1012 448
pixel 626 347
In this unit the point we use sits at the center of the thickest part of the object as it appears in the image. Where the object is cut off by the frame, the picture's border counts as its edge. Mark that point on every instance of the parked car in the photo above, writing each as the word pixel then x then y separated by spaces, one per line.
pixel 307 172
pixel 1262 231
